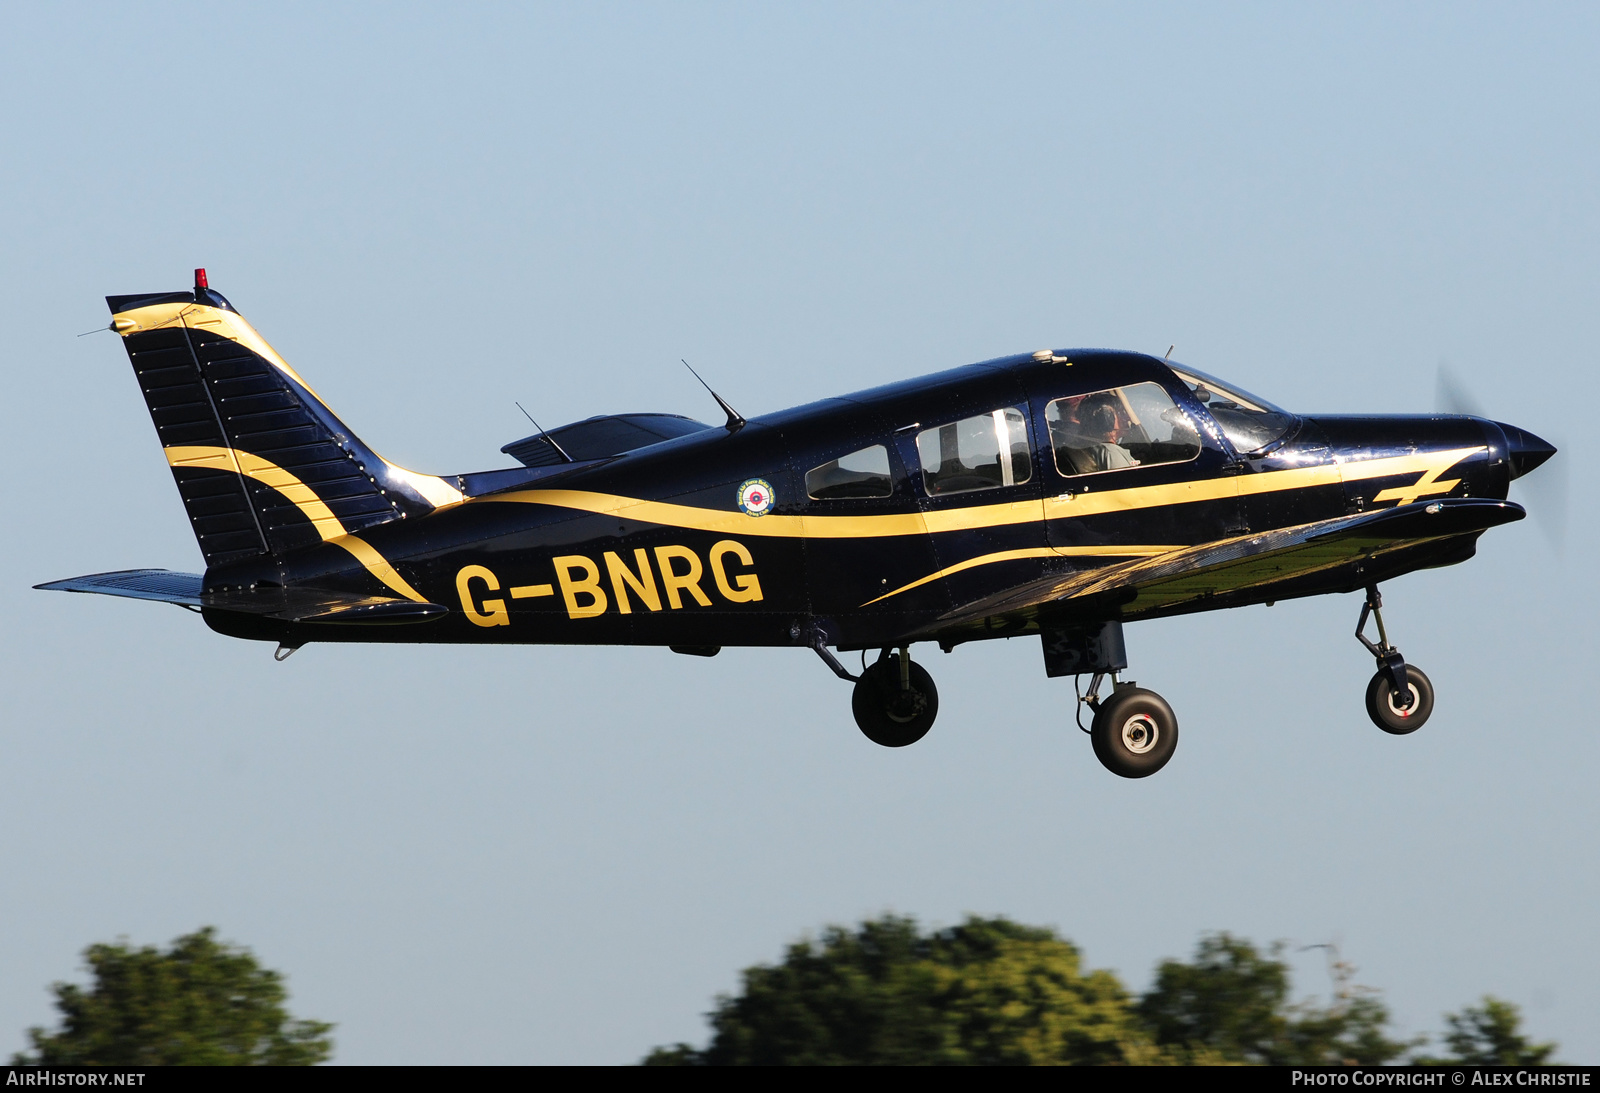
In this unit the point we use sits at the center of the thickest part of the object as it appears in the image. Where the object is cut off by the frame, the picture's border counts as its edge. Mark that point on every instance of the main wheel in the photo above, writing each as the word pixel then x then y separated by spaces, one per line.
pixel 1135 732
pixel 889 714
pixel 1384 707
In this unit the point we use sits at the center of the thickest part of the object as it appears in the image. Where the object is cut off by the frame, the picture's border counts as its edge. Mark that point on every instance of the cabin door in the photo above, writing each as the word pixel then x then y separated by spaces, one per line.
pixel 1133 470
pixel 979 484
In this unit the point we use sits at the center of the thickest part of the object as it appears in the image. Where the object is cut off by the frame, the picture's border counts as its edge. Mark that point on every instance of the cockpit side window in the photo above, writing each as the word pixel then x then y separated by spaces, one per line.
pixel 1249 423
pixel 976 453
pixel 1134 426
pixel 863 473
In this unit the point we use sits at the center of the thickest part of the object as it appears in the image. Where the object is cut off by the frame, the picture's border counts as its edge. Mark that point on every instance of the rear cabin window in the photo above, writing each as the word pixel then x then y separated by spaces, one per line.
pixel 976 453
pixel 863 473
pixel 1135 426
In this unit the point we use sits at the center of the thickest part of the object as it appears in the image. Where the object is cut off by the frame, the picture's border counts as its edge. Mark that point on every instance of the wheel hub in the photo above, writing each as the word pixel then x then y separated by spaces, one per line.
pixel 1139 733
pixel 905 706
pixel 1410 704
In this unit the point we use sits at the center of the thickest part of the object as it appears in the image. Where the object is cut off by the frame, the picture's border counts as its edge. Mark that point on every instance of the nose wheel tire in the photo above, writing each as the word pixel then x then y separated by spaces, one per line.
pixel 1389 712
pixel 887 712
pixel 1134 733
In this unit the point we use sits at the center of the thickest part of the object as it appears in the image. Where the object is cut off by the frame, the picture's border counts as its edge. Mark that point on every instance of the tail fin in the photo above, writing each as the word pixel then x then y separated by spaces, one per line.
pixel 264 466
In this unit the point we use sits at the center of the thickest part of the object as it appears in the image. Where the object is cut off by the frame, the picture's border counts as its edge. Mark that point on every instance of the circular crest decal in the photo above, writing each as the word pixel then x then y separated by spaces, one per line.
pixel 755 497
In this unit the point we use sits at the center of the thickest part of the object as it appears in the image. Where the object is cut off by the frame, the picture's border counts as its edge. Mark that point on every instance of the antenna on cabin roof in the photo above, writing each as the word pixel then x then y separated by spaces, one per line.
pixel 548 439
pixel 735 422
pixel 1170 348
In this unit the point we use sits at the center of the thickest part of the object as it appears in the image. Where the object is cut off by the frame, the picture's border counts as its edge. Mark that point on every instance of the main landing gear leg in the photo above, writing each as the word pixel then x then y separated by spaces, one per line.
pixel 1134 731
pixel 895 700
pixel 1400 697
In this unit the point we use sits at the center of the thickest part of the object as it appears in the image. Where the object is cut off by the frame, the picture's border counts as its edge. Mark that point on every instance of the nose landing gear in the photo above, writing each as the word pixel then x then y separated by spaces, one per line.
pixel 1400 697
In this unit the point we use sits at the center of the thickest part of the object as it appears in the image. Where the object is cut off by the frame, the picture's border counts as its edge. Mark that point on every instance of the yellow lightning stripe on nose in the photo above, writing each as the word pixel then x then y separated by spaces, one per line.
pixel 303 497
pixel 1426 486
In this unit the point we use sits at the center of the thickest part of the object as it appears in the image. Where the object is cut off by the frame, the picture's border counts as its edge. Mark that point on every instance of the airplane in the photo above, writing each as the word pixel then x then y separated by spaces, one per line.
pixel 1060 493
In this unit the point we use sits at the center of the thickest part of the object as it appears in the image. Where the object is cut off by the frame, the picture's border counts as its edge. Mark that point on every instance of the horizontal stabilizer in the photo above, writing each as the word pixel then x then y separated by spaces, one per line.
pixel 162 585
pixel 309 605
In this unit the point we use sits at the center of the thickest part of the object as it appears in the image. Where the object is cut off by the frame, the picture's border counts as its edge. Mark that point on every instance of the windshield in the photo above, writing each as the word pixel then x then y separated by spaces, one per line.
pixel 1250 423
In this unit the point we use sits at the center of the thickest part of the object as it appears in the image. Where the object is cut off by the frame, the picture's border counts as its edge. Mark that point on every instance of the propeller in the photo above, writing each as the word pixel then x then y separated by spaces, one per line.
pixel 1548 493
pixel 1450 395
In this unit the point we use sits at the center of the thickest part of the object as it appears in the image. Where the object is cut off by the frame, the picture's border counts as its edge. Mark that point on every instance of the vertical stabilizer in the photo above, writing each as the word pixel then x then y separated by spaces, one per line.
pixel 264 466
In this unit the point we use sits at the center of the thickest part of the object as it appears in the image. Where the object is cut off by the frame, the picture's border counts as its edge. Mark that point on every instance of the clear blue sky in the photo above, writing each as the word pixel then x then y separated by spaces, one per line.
pixel 561 855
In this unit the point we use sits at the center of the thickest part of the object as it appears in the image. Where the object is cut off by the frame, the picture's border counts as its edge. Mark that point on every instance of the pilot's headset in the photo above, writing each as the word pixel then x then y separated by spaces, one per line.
pixel 1100 416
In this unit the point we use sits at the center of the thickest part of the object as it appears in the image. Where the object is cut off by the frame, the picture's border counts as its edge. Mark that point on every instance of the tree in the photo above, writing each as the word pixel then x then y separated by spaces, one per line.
pixel 201 1004
pixel 989 991
pixel 1231 999
pixel 1234 1001
pixel 1490 1035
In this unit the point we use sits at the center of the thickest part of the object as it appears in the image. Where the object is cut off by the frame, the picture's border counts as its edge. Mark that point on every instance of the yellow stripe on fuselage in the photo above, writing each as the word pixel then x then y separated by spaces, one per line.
pixel 302 497
pixel 693 518
pixel 974 517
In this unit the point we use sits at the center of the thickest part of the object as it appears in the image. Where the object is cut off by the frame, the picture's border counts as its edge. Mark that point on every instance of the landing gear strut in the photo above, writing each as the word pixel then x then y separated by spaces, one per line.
pixel 895 700
pixel 1400 697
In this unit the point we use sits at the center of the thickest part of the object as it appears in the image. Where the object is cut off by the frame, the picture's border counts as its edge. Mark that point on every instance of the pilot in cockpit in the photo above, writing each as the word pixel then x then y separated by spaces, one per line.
pixel 1099 433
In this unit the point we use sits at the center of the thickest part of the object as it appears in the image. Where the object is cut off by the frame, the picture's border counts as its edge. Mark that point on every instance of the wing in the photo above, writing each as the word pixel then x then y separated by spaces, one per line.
pixel 286 604
pixel 1243 569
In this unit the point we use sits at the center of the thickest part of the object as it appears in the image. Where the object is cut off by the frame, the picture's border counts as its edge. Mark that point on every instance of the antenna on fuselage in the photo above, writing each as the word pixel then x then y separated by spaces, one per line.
pixel 735 422
pixel 548 439
pixel 1170 348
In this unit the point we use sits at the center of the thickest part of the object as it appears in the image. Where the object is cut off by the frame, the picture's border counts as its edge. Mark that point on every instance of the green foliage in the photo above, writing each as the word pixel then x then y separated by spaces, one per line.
pixel 991 991
pixel 1234 1001
pixel 986 992
pixel 1231 999
pixel 201 1004
pixel 1490 1035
